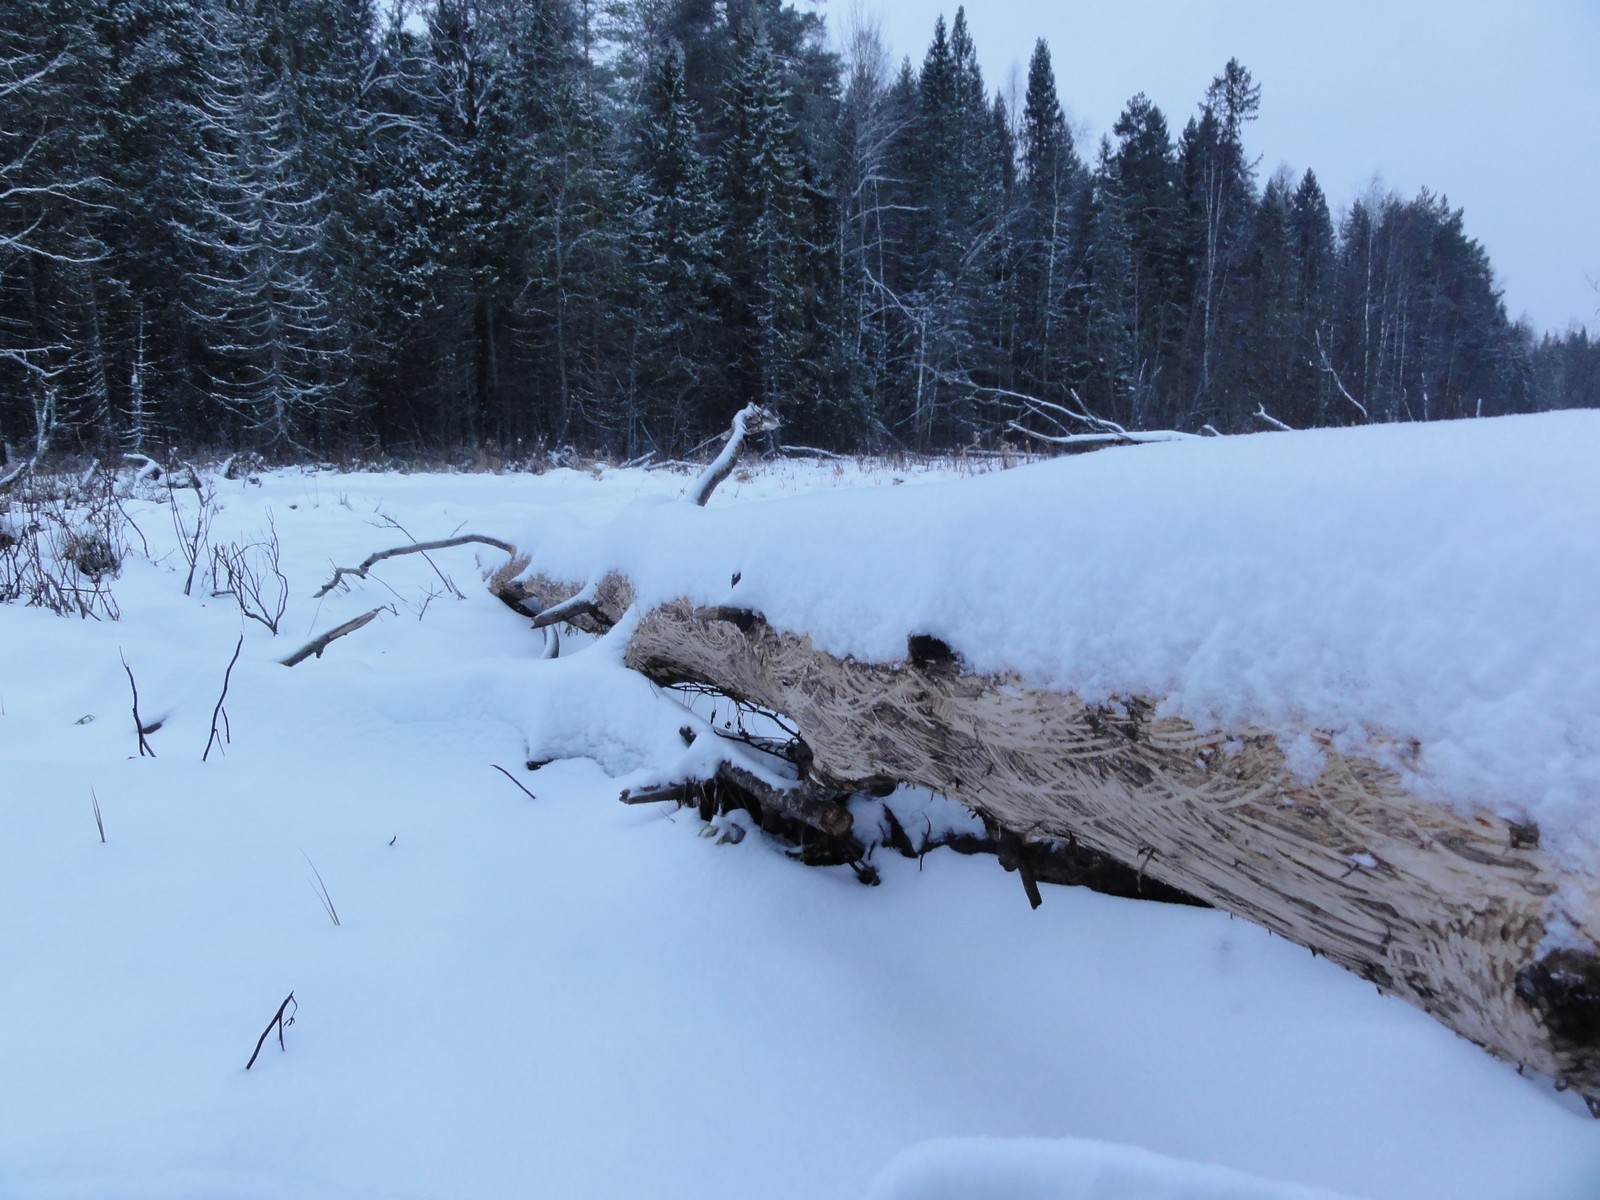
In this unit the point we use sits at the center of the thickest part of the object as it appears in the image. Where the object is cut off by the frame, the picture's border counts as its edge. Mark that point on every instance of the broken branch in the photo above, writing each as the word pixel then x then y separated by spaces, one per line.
pixel 318 644
pixel 373 560
pixel 750 419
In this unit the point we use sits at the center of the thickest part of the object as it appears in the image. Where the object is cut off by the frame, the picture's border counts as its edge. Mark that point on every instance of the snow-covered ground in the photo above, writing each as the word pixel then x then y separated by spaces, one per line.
pixel 567 997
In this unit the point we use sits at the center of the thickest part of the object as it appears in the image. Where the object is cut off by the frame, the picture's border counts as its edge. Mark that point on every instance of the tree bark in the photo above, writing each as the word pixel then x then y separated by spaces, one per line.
pixel 1461 915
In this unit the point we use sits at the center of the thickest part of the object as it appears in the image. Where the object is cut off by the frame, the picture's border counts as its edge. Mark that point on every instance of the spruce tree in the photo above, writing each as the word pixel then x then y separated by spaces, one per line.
pixel 1053 194
pixel 254 231
pixel 766 234
pixel 676 387
pixel 1219 195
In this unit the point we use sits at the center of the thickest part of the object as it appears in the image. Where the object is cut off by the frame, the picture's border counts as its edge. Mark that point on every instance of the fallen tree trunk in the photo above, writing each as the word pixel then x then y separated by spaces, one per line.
pixel 1465 916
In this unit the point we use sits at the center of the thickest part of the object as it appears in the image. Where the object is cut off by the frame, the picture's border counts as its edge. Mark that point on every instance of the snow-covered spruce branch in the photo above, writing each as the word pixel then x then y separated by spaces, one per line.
pixel 372 560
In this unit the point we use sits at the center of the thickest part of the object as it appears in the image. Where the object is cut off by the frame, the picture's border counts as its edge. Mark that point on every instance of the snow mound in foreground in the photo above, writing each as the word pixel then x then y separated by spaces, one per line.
pixel 1067 1169
pixel 1436 584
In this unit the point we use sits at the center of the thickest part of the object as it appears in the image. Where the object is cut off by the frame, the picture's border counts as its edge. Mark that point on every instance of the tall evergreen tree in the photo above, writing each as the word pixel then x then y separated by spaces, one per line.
pixel 767 239
pixel 54 353
pixel 1219 194
pixel 254 229
pixel 1053 197
pixel 676 387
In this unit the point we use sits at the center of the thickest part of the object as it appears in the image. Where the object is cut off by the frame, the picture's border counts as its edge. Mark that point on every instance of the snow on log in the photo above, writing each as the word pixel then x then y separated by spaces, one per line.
pixel 1451 912
pixel 1341 684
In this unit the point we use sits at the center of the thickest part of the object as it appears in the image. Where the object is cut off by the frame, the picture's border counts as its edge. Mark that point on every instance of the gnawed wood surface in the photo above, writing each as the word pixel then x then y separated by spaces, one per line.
pixel 1464 916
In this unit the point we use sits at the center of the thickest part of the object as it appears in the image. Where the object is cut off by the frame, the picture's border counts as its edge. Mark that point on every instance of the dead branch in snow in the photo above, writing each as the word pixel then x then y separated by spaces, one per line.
pixel 586 608
pixel 372 560
pixel 1261 414
pixel 317 645
pixel 280 1022
pixel 138 722
pixel 1094 430
pixel 580 604
pixel 1327 367
pixel 514 780
pixel 219 712
pixel 750 420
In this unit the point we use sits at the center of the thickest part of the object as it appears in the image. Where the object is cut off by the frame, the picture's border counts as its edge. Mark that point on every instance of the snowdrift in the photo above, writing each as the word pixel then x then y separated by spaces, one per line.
pixel 1066 1169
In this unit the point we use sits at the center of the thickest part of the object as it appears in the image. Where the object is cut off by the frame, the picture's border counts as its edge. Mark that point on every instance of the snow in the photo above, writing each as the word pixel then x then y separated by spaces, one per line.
pixel 1068 1169
pixel 569 997
pixel 1385 585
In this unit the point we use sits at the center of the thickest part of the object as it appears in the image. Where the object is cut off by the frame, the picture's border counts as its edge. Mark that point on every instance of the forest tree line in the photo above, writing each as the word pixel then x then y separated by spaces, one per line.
pixel 311 226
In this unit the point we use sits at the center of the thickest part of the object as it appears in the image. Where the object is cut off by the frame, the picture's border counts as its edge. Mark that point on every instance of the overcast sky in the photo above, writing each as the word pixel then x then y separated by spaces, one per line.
pixel 1494 104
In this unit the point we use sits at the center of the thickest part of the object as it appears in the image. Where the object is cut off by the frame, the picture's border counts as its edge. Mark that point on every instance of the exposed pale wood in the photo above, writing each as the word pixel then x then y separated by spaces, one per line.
pixel 751 419
pixel 1451 912
pixel 317 645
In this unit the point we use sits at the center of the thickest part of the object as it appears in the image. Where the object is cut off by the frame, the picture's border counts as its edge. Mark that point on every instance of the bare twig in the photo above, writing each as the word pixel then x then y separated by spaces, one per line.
pixel 99 822
pixel 514 780
pixel 279 1020
pixel 138 724
pixel 252 573
pixel 191 540
pixel 373 560
pixel 318 644
pixel 218 711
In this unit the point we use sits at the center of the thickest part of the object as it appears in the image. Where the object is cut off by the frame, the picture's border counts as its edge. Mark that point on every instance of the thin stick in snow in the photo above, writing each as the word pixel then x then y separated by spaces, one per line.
pixel 279 1020
pixel 514 780
pixel 317 645
pixel 138 724
pixel 218 710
